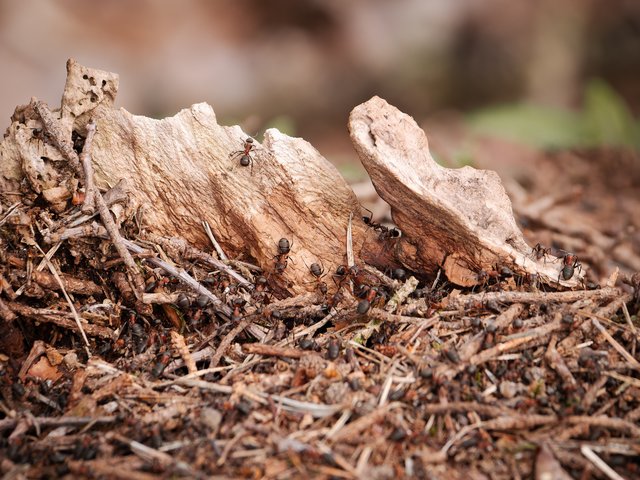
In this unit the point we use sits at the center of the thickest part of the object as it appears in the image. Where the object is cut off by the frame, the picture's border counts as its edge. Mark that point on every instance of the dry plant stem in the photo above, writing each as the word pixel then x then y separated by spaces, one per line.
pixel 473 345
pixel 514 343
pixel 88 206
pixel 598 462
pixel 62 319
pixel 401 295
pixel 152 455
pixel 76 317
pixel 619 348
pixel 180 247
pixel 228 339
pixel 46 280
pixel 598 296
pixel 184 277
pixel 213 241
pixel 10 423
pixel 272 350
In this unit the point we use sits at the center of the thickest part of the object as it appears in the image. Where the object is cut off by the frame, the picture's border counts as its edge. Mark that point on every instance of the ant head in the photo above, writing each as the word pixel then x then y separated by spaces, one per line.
pixel 341 270
pixel 395 233
pixel 249 140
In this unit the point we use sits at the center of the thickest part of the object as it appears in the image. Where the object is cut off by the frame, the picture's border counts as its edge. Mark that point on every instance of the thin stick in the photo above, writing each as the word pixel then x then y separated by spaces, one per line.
pixel 350 258
pixel 226 341
pixel 599 463
pixel 534 297
pixel 76 317
pixel 88 205
pixel 619 348
pixel 272 350
pixel 213 240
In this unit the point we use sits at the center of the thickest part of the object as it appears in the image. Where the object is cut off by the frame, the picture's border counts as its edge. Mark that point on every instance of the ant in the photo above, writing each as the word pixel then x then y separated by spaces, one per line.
pixel 539 252
pixel 344 274
pixel 365 304
pixel 317 271
pixel 385 232
pixel 237 303
pixel 282 257
pixel 162 361
pixel 569 264
pixel 245 155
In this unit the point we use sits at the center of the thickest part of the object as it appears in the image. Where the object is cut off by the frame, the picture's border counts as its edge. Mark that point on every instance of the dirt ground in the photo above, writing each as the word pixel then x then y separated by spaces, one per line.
pixel 509 379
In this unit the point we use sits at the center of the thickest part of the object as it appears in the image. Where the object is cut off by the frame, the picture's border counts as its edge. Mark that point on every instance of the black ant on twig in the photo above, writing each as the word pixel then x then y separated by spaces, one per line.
pixel 245 155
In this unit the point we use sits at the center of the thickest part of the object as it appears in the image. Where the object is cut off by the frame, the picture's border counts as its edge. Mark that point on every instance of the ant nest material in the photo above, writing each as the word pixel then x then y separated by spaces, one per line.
pixel 460 220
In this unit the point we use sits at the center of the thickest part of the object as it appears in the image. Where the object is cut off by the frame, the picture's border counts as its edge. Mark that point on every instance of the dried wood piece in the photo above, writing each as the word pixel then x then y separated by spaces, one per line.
pixel 181 168
pixel 272 350
pixel 62 319
pixel 459 220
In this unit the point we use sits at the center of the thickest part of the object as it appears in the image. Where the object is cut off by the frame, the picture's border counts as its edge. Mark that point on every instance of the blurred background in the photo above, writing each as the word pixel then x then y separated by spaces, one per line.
pixel 531 71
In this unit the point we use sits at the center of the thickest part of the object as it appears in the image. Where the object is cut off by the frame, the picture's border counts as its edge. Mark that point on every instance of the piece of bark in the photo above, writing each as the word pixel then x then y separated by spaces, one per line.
pixel 457 219
pixel 181 167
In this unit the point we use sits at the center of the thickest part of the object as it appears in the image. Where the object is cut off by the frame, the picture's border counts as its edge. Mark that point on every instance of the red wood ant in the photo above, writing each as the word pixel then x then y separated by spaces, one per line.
pixel 569 264
pixel 282 257
pixel 539 252
pixel 365 304
pixel 237 303
pixel 385 232
pixel 245 155
pixel 163 360
pixel 318 272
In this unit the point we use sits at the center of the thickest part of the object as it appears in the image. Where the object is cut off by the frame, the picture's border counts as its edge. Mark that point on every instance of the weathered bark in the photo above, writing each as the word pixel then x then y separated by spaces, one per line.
pixel 183 171
pixel 457 219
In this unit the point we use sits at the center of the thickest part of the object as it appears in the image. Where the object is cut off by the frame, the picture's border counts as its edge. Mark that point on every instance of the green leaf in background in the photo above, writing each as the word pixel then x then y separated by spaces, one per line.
pixel 605 120
pixel 533 125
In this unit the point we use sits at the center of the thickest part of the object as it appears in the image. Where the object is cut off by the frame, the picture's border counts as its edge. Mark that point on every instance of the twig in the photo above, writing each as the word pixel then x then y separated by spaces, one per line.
pixel 180 247
pixel 88 205
pixel 600 295
pixel 5 312
pixel 532 334
pixel 350 258
pixel 272 350
pixel 76 317
pixel 230 337
pixel 62 319
pixel 52 126
pixel 213 240
pixel 619 348
pixel 152 455
pixel 555 361
pixel 10 423
pixel 401 294
pixel 598 462
pixel 184 277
